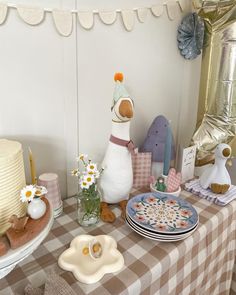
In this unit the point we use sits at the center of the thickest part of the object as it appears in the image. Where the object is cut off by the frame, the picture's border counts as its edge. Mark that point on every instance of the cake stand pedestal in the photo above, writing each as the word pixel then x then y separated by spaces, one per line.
pixel 13 257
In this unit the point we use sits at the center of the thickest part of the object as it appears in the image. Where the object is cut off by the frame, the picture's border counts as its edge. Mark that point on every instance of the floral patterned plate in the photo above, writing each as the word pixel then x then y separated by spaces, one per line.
pixel 161 213
pixel 157 237
pixel 166 237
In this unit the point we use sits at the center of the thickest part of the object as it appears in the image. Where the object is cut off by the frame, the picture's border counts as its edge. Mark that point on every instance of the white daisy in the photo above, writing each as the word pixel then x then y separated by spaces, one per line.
pixel 97 174
pixel 81 157
pixel 89 179
pixel 40 191
pixel 92 167
pixel 27 193
pixel 84 184
pixel 75 172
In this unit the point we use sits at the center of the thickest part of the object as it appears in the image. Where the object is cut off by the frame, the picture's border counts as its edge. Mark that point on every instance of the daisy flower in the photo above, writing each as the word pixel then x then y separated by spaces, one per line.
pixel 92 167
pixel 81 157
pixel 92 170
pixel 40 191
pixel 89 179
pixel 84 184
pixel 97 174
pixel 75 172
pixel 88 176
pixel 27 193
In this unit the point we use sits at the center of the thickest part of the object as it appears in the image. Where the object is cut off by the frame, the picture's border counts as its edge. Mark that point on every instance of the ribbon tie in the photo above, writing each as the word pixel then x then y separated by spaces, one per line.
pixel 125 143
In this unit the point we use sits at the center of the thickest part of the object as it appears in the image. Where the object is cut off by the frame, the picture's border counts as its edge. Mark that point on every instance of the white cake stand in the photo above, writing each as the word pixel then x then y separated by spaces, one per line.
pixel 13 257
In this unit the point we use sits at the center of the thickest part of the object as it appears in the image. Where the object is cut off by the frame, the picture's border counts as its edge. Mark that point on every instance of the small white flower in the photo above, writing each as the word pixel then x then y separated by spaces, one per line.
pixel 92 170
pixel 97 174
pixel 40 191
pixel 84 184
pixel 75 172
pixel 81 157
pixel 89 179
pixel 92 167
pixel 27 193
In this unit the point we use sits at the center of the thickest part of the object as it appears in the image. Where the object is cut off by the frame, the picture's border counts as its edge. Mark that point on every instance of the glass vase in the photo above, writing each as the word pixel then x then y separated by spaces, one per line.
pixel 88 207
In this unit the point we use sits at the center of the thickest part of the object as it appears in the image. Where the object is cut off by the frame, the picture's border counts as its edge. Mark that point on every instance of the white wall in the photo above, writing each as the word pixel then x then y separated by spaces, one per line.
pixel 38 90
pixel 157 77
pixel 43 73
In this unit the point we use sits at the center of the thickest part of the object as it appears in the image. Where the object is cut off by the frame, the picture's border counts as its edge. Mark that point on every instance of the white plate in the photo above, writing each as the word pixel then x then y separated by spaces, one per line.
pixel 159 235
pixel 145 235
pixel 161 213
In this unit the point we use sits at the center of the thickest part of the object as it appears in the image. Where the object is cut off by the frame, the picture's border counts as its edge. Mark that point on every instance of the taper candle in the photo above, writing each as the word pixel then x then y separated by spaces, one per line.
pixel 32 168
pixel 167 154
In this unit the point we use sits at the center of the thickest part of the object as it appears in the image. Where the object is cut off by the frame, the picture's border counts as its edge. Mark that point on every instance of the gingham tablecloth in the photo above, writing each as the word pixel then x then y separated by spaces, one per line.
pixel 202 264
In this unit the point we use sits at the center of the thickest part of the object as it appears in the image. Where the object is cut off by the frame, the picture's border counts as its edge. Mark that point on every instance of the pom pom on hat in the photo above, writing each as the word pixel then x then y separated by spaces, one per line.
pixel 119 90
pixel 118 77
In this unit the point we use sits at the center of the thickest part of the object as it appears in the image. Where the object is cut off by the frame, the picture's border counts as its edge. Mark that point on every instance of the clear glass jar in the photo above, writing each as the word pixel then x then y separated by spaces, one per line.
pixel 88 207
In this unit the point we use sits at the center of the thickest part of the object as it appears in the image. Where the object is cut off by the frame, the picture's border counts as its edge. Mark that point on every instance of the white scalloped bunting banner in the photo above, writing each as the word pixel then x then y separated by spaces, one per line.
pixel 86 19
pixel 63 21
pixel 142 14
pixel 128 19
pixel 182 4
pixel 171 10
pixel 31 15
pixel 3 12
pixel 108 17
pixel 157 10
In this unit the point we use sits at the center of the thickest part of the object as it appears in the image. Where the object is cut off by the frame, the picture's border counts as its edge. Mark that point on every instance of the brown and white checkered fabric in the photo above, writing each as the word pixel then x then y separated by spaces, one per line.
pixel 142 164
pixel 202 264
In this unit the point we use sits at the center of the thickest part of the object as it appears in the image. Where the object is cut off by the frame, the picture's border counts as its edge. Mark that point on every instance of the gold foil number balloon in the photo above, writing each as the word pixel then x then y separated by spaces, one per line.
pixel 217 101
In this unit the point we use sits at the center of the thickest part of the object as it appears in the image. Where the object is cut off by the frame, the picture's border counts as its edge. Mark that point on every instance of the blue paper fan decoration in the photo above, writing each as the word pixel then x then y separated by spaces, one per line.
pixel 190 36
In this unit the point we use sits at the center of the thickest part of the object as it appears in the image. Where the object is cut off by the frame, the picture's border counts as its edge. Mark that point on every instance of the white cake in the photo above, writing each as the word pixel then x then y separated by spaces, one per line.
pixel 12 180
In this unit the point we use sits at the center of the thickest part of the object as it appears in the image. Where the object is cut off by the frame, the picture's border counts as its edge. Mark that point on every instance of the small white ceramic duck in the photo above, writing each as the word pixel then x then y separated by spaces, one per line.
pixel 117 179
pixel 216 177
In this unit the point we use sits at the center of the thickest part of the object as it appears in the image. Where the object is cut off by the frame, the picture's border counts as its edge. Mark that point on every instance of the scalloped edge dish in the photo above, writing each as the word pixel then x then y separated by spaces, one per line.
pixel 84 268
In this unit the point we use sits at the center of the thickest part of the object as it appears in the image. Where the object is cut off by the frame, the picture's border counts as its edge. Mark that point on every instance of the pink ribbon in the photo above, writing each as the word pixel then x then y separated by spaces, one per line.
pixel 125 143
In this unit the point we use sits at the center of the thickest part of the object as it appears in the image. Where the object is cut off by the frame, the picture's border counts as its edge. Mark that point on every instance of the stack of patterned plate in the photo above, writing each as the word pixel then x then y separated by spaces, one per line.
pixel 161 217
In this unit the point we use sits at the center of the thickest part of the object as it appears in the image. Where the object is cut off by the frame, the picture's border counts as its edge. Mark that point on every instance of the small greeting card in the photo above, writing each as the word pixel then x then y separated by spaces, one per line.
pixel 188 163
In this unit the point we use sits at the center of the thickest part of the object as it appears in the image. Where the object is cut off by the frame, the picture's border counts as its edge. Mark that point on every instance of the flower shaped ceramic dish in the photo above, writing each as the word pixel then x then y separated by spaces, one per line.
pixel 86 269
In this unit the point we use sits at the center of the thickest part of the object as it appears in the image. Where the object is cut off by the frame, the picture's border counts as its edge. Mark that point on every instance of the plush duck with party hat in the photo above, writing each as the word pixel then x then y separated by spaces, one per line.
pixel 117 178
pixel 217 177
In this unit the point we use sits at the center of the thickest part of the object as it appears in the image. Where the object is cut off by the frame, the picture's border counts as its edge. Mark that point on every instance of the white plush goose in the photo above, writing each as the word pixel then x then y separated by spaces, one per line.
pixel 216 177
pixel 117 179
